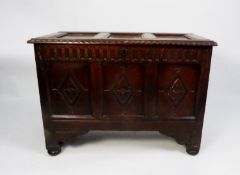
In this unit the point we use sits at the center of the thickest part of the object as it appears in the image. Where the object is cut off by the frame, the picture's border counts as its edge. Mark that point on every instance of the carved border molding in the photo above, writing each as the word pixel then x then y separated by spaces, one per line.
pixel 108 41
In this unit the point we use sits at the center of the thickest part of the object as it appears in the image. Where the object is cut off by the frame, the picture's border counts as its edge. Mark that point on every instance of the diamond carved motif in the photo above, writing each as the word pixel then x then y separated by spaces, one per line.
pixel 122 90
pixel 70 89
pixel 176 91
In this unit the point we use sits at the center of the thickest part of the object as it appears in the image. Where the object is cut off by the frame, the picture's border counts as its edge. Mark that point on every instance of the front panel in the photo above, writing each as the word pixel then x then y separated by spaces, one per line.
pixel 177 89
pixel 116 82
pixel 69 88
pixel 123 90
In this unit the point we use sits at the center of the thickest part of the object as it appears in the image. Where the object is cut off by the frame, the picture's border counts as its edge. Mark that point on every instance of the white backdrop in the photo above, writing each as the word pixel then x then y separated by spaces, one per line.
pixel 22 149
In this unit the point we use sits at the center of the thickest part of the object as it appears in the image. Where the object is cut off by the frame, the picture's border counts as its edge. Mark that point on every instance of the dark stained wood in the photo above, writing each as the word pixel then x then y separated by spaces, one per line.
pixel 122 81
pixel 150 90
pixel 96 89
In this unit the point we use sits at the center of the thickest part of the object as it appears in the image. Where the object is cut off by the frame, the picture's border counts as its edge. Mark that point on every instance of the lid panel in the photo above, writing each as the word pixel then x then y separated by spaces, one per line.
pixel 78 35
pixel 125 36
pixel 171 36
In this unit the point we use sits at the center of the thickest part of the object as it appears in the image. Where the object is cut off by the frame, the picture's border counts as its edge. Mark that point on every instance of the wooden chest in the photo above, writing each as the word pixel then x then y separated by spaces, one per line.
pixel 122 81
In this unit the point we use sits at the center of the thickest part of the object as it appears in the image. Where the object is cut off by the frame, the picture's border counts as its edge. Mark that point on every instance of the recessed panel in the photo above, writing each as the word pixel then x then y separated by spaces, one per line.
pixel 78 35
pixel 69 88
pixel 177 88
pixel 122 90
pixel 125 36
pixel 170 37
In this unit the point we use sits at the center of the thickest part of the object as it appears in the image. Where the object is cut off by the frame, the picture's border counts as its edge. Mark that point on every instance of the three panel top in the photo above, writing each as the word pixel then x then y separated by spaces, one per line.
pixel 123 38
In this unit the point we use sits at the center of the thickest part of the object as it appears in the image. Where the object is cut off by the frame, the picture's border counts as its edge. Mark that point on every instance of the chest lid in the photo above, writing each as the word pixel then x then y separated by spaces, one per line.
pixel 123 38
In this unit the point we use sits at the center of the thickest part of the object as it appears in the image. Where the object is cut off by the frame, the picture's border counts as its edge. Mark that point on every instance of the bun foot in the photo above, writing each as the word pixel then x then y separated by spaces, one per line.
pixel 192 149
pixel 54 152
pixel 180 142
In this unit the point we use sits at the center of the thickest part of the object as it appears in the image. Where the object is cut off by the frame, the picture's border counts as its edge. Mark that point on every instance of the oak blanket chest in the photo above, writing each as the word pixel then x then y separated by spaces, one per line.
pixel 122 81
